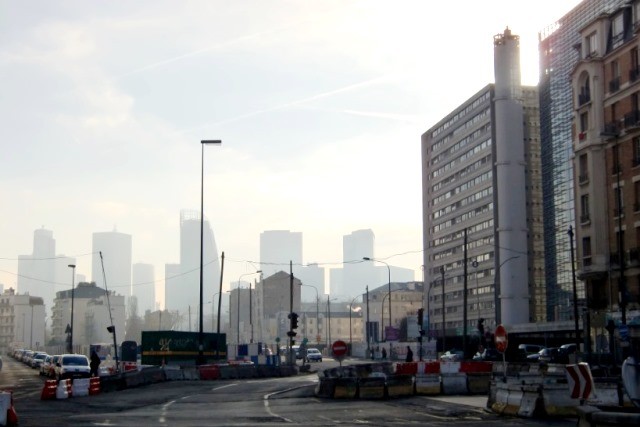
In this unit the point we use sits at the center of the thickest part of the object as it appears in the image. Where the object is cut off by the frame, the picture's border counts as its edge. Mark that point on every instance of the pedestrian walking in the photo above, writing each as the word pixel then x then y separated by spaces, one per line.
pixel 409 354
pixel 384 353
pixel 94 364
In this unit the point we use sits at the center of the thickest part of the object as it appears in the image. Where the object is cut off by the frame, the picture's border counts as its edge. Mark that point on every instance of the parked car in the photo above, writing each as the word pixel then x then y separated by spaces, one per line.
pixel 314 355
pixel 489 354
pixel 53 372
pixel 568 348
pixel 46 365
pixel 452 356
pixel 37 360
pixel 549 355
pixel 73 366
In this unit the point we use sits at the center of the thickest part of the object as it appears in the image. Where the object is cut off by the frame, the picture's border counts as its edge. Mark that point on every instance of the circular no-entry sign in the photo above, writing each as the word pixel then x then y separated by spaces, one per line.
pixel 339 348
pixel 500 339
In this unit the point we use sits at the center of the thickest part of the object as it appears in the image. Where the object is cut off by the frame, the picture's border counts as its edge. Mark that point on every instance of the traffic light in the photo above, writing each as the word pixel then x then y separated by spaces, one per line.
pixel 420 317
pixel 294 320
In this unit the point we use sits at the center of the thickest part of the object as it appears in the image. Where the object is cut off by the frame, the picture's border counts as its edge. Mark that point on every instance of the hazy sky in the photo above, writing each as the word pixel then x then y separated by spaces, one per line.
pixel 320 106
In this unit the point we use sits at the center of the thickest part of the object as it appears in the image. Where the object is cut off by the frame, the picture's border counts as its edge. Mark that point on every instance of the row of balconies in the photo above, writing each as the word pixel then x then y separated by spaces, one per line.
pixel 632 259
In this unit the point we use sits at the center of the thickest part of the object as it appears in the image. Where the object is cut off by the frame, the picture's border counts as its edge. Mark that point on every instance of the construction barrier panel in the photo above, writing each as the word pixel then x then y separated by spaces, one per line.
pixel 132 379
pixel 478 382
pixel 400 385
pixel 80 387
pixel 345 388
pixel 209 372
pixel 173 374
pixel 61 391
pixel 432 368
pixel 428 384
pixel 449 367
pixel 5 404
pixel 371 387
pixel 454 383
pixel 152 374
pixel 94 386
pixel 531 403
pixel 49 390
pixel 476 366
pixel 408 368
pixel 325 387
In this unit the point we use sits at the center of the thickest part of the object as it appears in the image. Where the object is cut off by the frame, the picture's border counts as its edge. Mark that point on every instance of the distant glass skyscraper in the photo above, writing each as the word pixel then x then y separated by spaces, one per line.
pixel 277 249
pixel 558 57
pixel 116 254
pixel 37 272
pixel 184 294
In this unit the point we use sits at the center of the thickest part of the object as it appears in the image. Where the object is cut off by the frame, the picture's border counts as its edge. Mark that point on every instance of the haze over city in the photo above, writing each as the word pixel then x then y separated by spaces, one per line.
pixel 319 106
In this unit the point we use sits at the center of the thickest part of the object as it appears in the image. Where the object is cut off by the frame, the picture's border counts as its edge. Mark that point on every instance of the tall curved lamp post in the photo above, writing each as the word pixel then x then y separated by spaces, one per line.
pixel 201 360
pixel 238 313
pixel 389 283
pixel 317 309
pixel 350 335
pixel 500 281
pixel 73 285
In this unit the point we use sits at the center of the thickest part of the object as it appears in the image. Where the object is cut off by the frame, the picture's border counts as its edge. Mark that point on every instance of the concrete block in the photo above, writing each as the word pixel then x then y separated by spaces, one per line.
pixel 345 388
pixel 454 383
pixel 371 387
pixel 478 382
pixel 428 384
pixel 400 385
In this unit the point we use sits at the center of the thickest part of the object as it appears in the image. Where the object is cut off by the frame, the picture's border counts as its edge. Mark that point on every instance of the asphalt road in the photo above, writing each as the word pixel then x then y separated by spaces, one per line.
pixel 277 401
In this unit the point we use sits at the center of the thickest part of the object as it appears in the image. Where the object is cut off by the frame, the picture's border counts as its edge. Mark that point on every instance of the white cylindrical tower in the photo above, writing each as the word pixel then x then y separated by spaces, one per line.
pixel 511 213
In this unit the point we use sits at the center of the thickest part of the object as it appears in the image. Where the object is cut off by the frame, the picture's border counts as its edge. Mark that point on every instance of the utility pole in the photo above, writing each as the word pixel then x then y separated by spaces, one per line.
pixel 464 298
pixel 444 332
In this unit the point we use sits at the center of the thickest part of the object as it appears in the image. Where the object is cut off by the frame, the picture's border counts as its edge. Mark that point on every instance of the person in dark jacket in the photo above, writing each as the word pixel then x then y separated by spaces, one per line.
pixel 409 354
pixel 94 364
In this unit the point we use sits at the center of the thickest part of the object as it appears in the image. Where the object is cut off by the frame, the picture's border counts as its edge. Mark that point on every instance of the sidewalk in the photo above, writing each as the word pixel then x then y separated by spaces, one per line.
pixel 475 401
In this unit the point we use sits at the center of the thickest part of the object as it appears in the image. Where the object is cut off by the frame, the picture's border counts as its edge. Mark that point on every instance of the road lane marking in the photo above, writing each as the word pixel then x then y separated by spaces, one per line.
pixel 268 408
pixel 223 386
pixel 163 412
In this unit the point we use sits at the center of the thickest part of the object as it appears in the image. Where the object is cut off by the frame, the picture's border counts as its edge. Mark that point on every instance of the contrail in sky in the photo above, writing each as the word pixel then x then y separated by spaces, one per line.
pixel 299 102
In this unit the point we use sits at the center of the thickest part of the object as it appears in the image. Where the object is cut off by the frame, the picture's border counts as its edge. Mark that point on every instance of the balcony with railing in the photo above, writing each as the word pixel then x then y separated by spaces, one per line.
pixel 614 85
pixel 635 161
pixel 632 119
pixel 583 178
pixel 634 74
pixel 616 169
pixel 585 218
pixel 586 260
pixel 634 256
pixel 611 129
pixel 618 212
pixel 584 96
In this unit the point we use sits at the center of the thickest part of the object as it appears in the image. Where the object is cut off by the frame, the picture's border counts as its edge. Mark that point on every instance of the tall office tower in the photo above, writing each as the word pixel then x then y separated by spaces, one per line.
pixel 144 287
pixel 186 296
pixel 312 278
pixel 558 58
pixel 171 286
pixel 277 249
pixel 474 166
pixel 37 272
pixel 116 257
pixel 357 273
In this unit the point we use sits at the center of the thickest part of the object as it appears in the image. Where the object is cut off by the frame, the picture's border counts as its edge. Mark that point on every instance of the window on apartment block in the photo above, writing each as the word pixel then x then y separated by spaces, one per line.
pixel 635 142
pixel 584 122
pixel 617 30
pixel 619 201
pixel 583 169
pixel 633 57
pixel 586 251
pixel 636 196
pixel 591 45
pixel 614 82
pixel 615 155
pixel 584 208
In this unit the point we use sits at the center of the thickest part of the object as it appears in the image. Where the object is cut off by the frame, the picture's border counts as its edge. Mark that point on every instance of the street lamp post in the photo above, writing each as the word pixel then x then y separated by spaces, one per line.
pixel 201 359
pixel 444 331
pixel 317 308
pixel 73 285
pixel 474 264
pixel 238 313
pixel 350 336
pixel 575 291
pixel 389 293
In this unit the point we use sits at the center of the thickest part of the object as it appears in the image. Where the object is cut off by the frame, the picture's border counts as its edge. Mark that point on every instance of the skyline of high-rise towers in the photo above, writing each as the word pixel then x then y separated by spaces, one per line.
pixel 143 287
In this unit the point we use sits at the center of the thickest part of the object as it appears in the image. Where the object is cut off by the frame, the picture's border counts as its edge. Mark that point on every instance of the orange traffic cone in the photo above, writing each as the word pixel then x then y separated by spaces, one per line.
pixel 49 390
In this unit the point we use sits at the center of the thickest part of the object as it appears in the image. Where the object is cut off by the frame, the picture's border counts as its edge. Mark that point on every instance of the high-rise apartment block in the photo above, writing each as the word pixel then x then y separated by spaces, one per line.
pixel 115 249
pixel 480 182
pixel 143 287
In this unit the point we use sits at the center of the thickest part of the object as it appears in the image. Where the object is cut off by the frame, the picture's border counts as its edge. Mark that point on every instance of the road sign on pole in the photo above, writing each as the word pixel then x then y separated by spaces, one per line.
pixel 501 339
pixel 339 349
